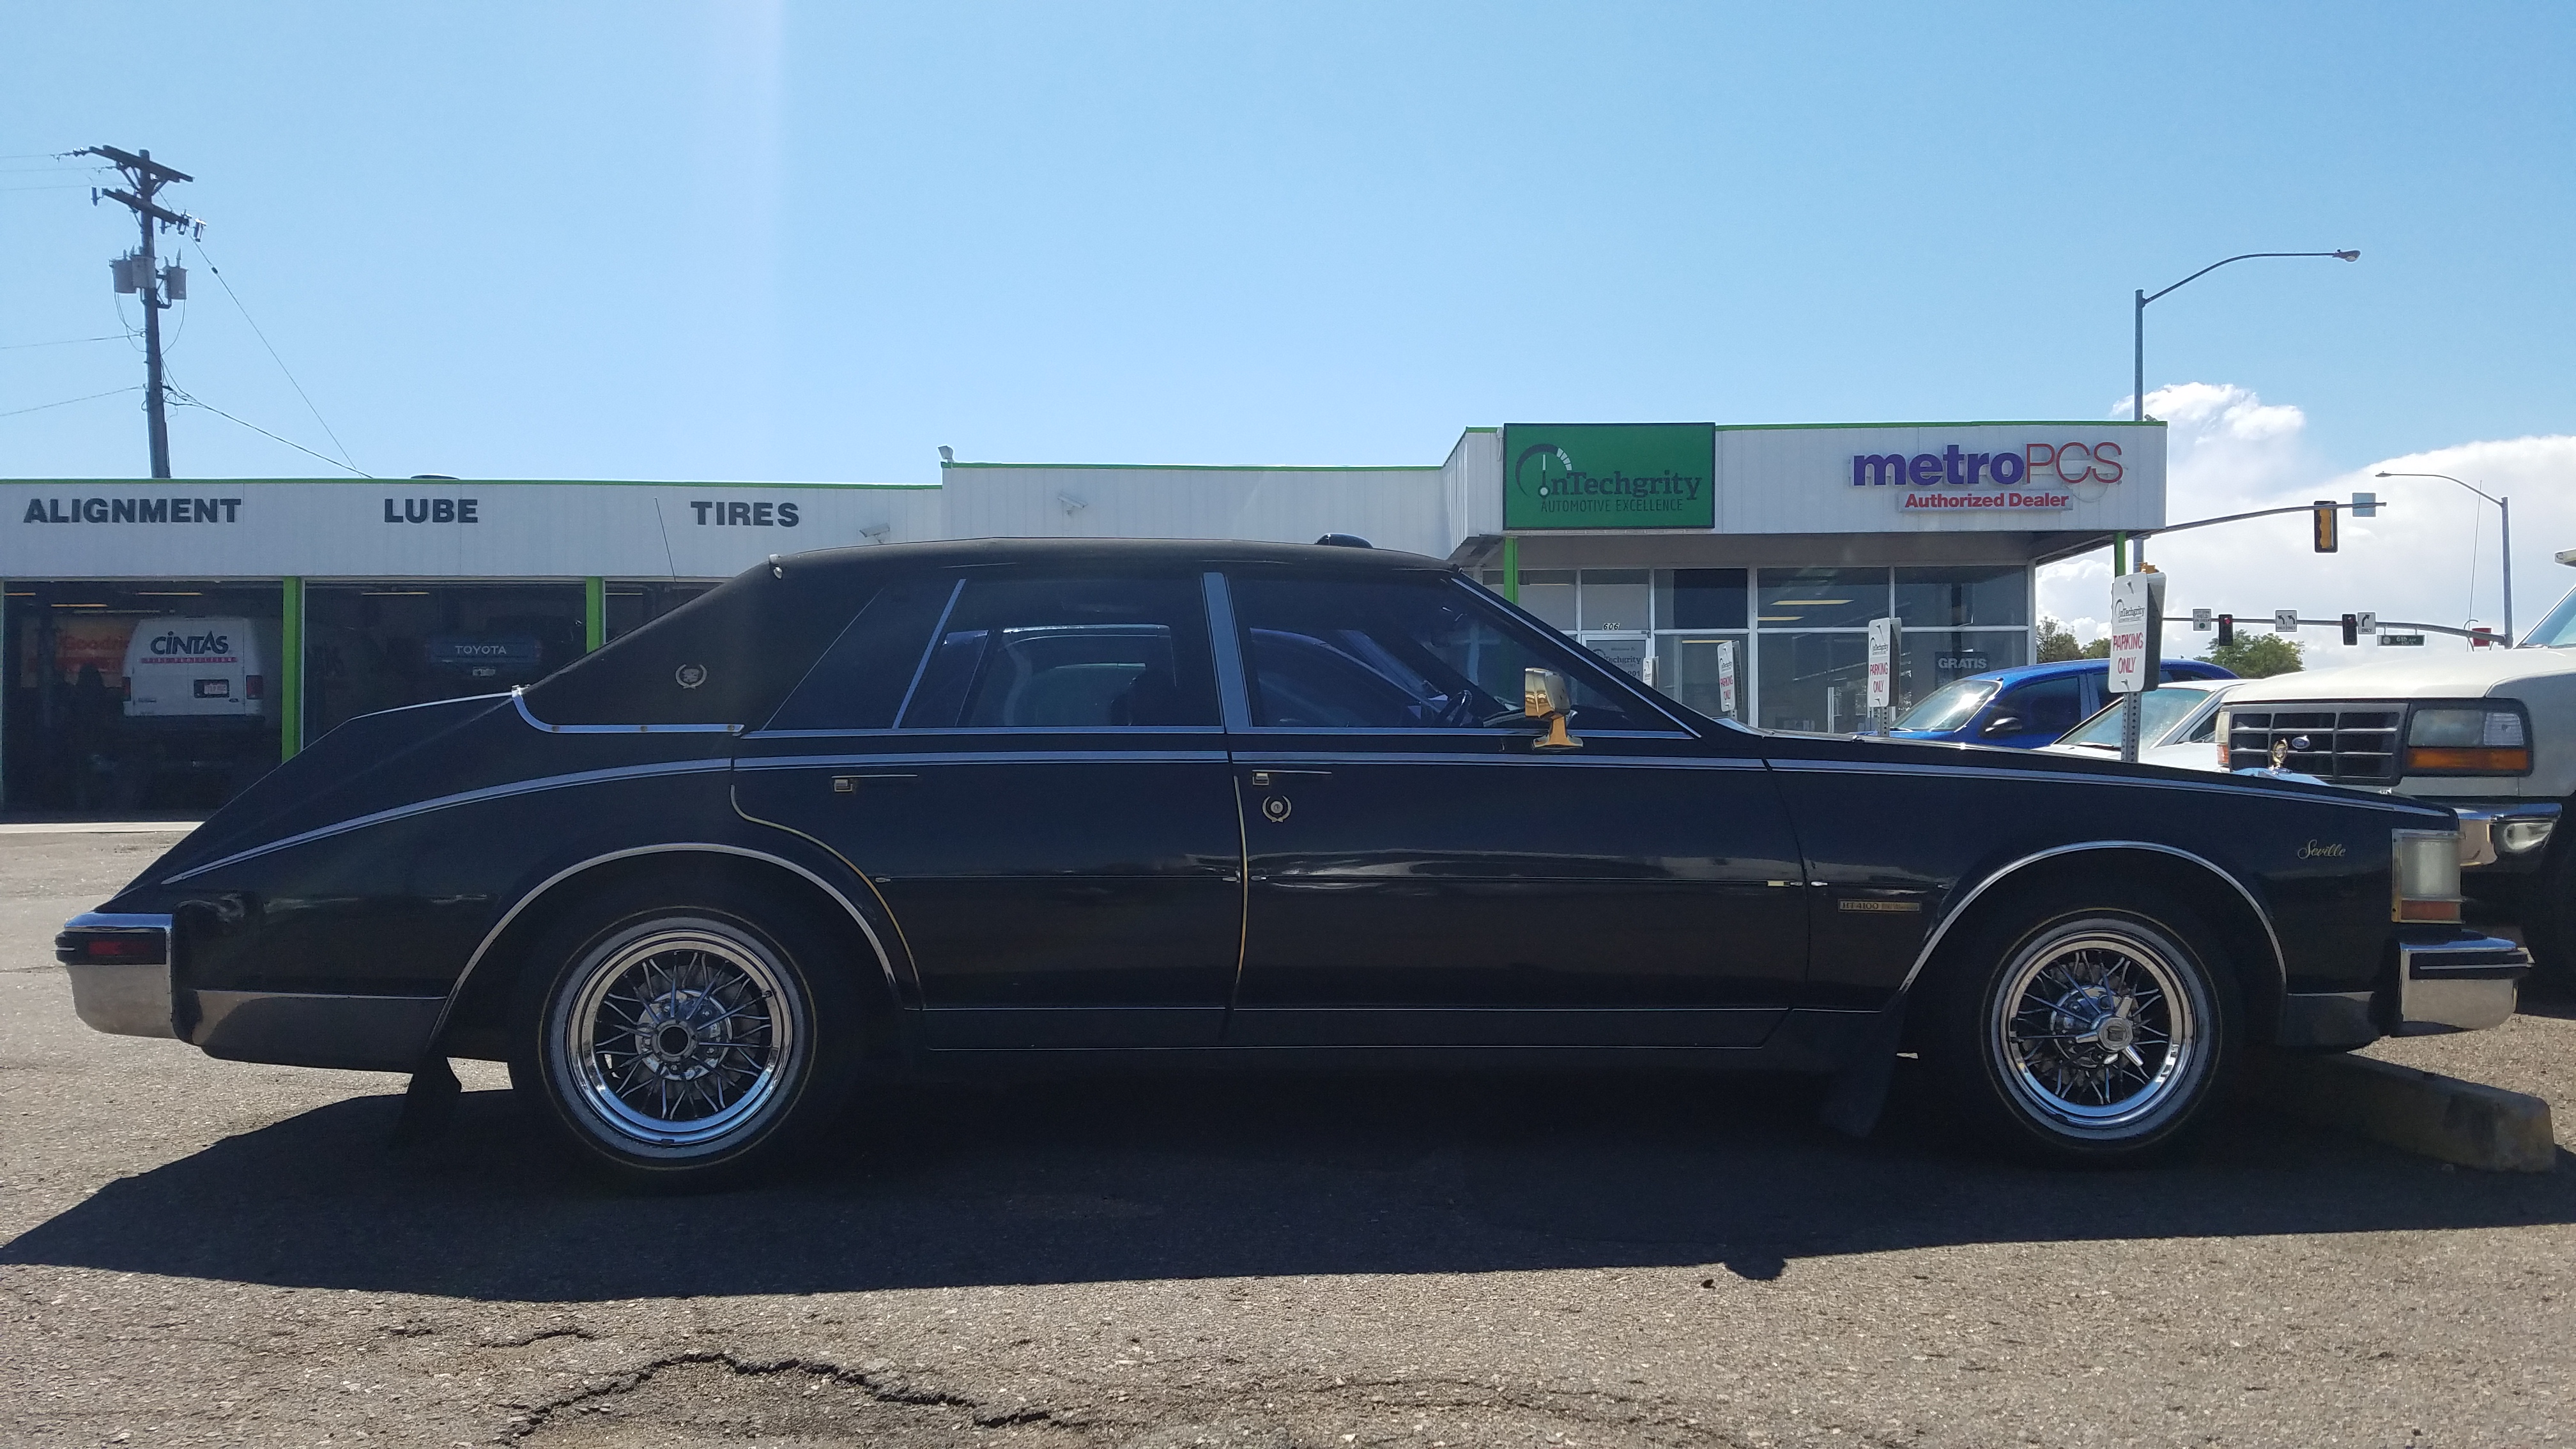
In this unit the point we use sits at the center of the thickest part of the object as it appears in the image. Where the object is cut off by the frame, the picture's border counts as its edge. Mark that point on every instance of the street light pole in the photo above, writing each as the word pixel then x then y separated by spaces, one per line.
pixel 2138 361
pixel 2138 340
pixel 2504 507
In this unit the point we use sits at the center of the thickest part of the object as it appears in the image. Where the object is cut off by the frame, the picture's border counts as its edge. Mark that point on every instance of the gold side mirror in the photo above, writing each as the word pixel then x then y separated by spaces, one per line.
pixel 1546 696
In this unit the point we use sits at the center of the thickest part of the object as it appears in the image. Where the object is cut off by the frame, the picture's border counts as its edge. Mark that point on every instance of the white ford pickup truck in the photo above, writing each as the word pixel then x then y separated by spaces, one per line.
pixel 2491 733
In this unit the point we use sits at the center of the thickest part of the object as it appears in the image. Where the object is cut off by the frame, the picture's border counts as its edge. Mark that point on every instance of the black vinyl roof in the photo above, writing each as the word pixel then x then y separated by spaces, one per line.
pixel 747 641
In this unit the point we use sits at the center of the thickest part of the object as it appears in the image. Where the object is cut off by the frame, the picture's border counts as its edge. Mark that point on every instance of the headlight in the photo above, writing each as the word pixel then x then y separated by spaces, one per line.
pixel 2426 871
pixel 2467 741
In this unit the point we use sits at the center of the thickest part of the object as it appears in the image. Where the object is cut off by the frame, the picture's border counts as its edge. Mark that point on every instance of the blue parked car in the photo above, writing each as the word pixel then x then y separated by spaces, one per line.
pixel 2027 707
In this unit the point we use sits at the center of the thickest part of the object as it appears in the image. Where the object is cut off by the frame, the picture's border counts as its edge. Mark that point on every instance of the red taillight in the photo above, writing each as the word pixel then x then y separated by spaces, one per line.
pixel 112 947
pixel 251 686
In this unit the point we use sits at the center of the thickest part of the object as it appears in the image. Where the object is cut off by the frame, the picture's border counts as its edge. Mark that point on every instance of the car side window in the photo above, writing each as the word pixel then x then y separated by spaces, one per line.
pixel 2050 705
pixel 861 678
pixel 1419 653
pixel 1067 653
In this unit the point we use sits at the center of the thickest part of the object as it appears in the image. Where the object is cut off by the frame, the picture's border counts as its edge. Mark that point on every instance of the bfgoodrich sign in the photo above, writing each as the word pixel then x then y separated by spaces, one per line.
pixel 1609 475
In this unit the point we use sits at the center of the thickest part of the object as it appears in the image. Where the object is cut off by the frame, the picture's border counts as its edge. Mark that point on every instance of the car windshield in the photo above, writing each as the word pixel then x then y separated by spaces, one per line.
pixel 1949 707
pixel 2558 631
pixel 2159 711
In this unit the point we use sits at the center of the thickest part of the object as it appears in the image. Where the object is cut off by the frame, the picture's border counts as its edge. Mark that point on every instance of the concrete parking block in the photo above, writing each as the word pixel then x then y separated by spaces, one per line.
pixel 2469 1123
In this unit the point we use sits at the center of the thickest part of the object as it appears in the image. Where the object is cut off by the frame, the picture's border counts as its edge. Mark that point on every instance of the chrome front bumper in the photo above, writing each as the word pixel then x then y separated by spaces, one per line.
pixel 2466 984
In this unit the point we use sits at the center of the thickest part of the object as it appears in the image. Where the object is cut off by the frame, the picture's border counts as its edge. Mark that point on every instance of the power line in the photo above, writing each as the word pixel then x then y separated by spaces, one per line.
pixel 187 399
pixel 65 342
pixel 344 460
pixel 67 402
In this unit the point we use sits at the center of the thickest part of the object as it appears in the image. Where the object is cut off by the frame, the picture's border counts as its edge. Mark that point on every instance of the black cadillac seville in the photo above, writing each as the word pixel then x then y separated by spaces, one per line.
pixel 983 802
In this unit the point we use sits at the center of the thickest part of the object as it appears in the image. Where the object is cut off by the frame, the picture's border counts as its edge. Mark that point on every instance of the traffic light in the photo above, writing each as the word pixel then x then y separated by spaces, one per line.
pixel 2352 628
pixel 2324 514
pixel 2226 630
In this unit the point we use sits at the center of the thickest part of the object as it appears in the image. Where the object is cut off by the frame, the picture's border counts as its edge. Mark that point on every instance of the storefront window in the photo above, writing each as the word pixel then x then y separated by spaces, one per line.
pixel 1692 668
pixel 1931 658
pixel 1798 636
pixel 1549 593
pixel 1700 598
pixel 1815 682
pixel 377 646
pixel 1616 599
pixel 1823 598
pixel 1957 598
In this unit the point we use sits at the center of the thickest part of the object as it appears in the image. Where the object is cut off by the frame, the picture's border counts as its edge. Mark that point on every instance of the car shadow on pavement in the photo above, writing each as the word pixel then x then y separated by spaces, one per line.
pixel 1129 1177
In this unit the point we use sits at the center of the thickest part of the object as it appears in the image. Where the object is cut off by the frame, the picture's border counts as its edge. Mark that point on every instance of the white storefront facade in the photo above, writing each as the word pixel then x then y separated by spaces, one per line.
pixel 1670 548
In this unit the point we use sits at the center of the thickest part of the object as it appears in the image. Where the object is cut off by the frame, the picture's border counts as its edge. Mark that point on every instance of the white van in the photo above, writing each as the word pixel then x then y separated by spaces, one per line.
pixel 201 671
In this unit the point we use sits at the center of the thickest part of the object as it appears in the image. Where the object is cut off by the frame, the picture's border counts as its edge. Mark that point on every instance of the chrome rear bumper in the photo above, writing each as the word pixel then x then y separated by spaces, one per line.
pixel 120 968
pixel 120 971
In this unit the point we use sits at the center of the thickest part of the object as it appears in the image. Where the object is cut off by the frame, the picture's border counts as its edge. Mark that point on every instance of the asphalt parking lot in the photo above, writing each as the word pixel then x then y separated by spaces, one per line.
pixel 201 1252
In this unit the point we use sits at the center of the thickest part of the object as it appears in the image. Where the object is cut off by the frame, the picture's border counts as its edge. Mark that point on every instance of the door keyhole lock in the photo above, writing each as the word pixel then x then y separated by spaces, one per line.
pixel 1275 808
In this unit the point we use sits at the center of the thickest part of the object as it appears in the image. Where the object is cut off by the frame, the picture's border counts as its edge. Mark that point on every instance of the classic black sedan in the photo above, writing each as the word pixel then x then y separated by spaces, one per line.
pixel 975 802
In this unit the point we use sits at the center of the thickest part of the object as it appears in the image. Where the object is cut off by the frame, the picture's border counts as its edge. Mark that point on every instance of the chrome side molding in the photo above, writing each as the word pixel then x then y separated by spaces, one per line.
pixel 1932 942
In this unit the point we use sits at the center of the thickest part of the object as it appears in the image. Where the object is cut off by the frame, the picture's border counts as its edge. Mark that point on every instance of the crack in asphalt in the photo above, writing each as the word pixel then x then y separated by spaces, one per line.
pixel 539 1416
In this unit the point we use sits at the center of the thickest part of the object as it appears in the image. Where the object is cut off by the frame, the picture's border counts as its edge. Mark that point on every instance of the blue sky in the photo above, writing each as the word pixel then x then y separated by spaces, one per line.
pixel 816 241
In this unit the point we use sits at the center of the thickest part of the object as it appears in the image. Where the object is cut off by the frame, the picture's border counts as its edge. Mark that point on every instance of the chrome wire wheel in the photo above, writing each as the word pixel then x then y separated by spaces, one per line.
pixel 679 1038
pixel 2100 1032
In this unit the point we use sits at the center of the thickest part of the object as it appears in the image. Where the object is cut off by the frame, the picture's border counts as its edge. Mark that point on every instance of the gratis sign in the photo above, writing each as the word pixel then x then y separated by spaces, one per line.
pixel 1609 475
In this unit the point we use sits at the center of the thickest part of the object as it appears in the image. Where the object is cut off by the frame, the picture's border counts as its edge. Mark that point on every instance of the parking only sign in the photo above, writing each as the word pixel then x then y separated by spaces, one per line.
pixel 1726 676
pixel 1882 663
pixel 2137 631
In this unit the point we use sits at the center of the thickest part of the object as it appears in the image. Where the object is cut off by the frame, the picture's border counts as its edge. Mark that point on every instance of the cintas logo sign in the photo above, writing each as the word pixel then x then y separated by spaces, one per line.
pixel 2036 475
pixel 212 647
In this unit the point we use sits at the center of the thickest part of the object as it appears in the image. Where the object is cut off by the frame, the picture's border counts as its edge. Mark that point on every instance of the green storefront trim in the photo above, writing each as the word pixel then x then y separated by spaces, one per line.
pixel 290 670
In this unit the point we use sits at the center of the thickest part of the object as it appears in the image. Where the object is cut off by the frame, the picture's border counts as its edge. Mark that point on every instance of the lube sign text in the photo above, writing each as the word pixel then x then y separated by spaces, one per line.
pixel 433 510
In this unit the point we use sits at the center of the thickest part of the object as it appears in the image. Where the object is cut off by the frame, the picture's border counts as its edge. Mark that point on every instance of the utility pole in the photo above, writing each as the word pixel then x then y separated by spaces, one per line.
pixel 145 178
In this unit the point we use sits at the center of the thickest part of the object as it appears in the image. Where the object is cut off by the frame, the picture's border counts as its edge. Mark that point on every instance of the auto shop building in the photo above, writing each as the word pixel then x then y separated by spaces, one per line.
pixel 1735 567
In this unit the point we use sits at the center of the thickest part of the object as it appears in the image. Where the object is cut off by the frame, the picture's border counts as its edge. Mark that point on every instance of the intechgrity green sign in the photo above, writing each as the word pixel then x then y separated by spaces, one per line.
pixel 1609 475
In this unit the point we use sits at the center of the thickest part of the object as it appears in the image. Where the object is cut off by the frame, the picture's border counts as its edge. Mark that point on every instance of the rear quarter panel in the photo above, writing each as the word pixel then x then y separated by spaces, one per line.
pixel 382 877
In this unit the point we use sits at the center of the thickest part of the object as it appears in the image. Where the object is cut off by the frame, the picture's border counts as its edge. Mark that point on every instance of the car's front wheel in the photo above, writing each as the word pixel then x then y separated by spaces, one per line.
pixel 683 1045
pixel 2099 1034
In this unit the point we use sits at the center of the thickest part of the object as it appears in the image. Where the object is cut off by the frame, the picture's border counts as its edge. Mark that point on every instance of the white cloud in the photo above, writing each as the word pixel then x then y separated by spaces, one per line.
pixel 2430 555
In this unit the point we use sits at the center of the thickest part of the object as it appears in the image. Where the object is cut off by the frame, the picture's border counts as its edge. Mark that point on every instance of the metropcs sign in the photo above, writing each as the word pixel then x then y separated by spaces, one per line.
pixel 2038 475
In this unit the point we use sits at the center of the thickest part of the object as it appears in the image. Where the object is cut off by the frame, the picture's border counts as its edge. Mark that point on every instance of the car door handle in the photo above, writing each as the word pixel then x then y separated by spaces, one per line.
pixel 849 784
pixel 1261 779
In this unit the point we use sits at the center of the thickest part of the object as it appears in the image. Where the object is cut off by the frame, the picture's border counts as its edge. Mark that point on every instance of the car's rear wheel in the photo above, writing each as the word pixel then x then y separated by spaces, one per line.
pixel 684 1045
pixel 2099 1034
